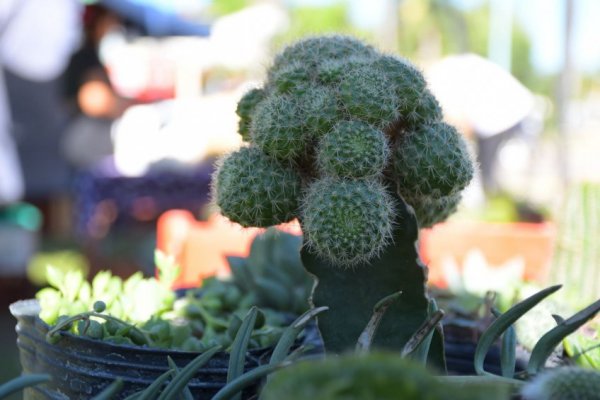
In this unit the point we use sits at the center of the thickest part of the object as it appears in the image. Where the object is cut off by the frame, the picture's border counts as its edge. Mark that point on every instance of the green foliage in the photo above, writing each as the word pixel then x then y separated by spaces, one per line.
pixel 20 383
pixel 315 50
pixel 255 190
pixel 565 383
pixel 64 260
pixel 374 376
pixel 545 345
pixel 273 275
pixel 348 221
pixel 224 7
pixel 583 346
pixel 577 249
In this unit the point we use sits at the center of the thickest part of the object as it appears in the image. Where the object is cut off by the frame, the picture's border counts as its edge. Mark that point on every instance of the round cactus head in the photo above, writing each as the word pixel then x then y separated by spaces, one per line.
pixel 353 149
pixel 254 190
pixel 432 161
pixel 564 383
pixel 347 221
pixel 245 109
pixel 333 114
pixel 313 51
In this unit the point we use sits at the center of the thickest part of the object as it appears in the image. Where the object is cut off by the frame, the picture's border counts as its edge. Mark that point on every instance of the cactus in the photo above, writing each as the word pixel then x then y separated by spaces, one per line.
pixel 347 220
pixel 577 249
pixel 353 149
pixel 432 161
pixel 255 190
pixel 356 135
pixel 565 383
pixel 374 376
pixel 273 272
pixel 245 109
pixel 313 51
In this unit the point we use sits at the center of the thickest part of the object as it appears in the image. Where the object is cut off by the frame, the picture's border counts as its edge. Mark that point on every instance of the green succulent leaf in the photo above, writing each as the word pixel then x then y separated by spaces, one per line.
pixel 503 322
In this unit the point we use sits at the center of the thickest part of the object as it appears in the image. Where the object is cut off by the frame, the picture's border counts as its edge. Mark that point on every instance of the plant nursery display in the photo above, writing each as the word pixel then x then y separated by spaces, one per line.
pixel 350 142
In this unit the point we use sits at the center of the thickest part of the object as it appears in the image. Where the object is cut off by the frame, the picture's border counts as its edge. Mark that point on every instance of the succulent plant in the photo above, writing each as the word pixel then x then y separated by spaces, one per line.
pixel 375 376
pixel 353 149
pixel 245 109
pixel 255 190
pixel 565 383
pixel 432 161
pixel 334 112
pixel 273 273
pixel 347 220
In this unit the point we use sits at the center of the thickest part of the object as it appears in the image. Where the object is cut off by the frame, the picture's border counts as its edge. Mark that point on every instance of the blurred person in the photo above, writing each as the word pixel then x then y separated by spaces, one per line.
pixel 37 38
pixel 92 102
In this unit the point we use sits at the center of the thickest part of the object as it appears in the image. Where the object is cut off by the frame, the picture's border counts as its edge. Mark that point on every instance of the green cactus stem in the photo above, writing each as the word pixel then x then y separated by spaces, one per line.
pixel 352 293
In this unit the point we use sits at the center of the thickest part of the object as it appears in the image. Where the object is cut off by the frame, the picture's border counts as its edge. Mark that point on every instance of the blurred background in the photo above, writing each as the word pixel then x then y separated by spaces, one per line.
pixel 112 114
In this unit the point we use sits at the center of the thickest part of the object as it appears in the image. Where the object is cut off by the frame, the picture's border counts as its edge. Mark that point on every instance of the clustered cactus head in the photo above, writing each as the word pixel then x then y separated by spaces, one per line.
pixel 253 189
pixel 337 131
pixel 565 383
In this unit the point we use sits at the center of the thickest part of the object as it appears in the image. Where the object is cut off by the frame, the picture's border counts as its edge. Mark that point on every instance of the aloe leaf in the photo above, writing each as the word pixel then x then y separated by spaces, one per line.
pixel 425 332
pixel 110 391
pixel 187 394
pixel 291 333
pixel 20 383
pixel 544 347
pixel 508 358
pixel 184 376
pixel 422 351
pixel 237 358
pixel 366 337
pixel 151 391
pixel 233 389
pixel 503 322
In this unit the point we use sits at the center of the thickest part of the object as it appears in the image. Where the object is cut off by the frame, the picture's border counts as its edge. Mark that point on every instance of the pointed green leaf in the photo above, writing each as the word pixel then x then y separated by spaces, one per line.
pixel 503 322
pixel 544 347
pixel 237 358
pixel 187 373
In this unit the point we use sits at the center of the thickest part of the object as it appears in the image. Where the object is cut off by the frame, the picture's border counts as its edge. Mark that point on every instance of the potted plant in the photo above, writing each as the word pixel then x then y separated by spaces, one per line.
pixel 86 335
pixel 351 143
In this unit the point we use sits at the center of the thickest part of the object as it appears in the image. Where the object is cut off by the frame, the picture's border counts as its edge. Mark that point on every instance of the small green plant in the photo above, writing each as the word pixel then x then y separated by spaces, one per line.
pixel 272 276
pixel 17 384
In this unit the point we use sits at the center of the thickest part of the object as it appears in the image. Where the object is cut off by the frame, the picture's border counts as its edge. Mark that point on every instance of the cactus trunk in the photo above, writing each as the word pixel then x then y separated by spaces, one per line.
pixel 352 293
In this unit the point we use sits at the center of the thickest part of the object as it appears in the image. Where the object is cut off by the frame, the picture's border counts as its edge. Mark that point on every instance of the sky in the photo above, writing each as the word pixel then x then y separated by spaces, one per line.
pixel 542 20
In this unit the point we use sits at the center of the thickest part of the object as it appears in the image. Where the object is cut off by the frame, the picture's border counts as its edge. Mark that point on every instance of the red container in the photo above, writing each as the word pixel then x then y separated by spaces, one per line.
pixel 498 242
pixel 201 247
